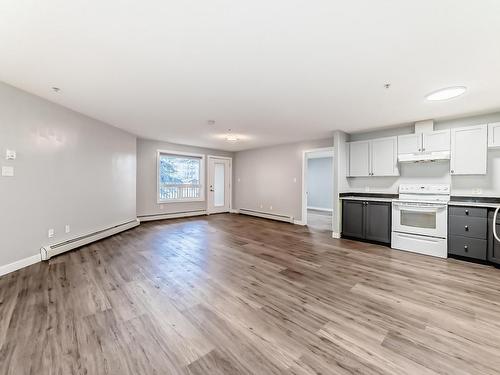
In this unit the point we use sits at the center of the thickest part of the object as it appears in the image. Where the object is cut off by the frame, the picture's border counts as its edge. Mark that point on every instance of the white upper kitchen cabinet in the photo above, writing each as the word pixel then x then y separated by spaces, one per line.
pixel 494 135
pixel 376 157
pixel 469 150
pixel 384 157
pixel 409 144
pixel 435 141
pixel 438 140
pixel 359 159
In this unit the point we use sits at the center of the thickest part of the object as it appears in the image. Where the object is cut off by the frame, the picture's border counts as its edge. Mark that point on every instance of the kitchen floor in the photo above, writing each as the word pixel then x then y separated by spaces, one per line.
pixel 232 294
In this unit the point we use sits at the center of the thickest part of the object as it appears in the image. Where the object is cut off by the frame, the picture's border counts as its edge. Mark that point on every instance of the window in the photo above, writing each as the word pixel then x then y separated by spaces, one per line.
pixel 180 177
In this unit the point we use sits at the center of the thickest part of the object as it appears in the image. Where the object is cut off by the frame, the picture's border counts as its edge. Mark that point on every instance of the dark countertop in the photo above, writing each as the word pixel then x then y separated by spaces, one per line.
pixel 378 197
pixel 488 202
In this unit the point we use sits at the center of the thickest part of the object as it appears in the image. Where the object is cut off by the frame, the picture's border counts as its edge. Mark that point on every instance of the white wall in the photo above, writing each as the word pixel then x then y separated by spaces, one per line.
pixel 320 182
pixel 272 177
pixel 146 177
pixel 431 172
pixel 70 169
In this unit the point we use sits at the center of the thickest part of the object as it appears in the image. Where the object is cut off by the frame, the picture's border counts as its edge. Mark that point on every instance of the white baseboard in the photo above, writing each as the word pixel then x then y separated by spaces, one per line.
pixel 174 215
pixel 320 209
pixel 266 215
pixel 299 222
pixel 335 235
pixel 14 266
pixel 234 211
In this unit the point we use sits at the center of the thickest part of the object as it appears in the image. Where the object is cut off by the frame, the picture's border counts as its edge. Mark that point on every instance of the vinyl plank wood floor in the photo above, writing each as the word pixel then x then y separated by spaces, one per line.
pixel 231 294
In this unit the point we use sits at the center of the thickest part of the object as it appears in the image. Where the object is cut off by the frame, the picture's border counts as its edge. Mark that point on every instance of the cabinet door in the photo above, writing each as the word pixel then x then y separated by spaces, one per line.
pixel 436 141
pixel 384 157
pixel 469 149
pixel 493 244
pixel 409 144
pixel 378 221
pixel 359 159
pixel 352 219
pixel 494 134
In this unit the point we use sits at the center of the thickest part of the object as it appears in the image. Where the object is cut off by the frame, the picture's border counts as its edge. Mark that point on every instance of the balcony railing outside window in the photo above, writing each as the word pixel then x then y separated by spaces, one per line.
pixel 169 192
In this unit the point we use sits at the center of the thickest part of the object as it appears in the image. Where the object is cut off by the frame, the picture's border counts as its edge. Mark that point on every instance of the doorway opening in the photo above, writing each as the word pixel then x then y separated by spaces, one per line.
pixel 317 205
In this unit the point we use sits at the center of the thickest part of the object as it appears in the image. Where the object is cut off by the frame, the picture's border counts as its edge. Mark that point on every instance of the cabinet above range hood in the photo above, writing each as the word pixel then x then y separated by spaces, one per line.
pixel 425 145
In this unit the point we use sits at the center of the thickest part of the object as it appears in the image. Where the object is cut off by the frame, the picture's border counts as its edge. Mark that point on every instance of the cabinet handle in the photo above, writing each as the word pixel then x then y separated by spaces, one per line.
pixel 466 248
pixel 466 228
pixel 452 171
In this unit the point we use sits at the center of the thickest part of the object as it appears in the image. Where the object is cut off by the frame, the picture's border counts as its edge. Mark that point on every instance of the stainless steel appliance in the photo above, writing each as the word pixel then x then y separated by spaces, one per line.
pixel 420 219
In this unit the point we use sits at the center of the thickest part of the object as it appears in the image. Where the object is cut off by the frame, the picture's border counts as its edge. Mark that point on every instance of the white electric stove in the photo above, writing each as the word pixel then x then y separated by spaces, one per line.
pixel 420 219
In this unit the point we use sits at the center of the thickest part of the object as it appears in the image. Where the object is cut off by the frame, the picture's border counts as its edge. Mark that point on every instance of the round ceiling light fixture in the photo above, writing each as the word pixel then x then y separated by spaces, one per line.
pixel 231 138
pixel 447 93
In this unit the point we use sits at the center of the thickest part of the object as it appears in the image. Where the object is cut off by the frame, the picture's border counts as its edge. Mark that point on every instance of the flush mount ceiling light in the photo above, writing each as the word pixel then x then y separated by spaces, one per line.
pixel 231 138
pixel 447 93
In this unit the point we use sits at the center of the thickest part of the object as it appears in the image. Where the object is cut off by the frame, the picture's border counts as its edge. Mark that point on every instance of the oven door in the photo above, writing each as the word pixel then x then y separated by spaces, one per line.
pixel 427 219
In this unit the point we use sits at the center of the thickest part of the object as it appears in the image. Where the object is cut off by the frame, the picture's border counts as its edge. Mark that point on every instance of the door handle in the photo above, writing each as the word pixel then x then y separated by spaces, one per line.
pixel 466 228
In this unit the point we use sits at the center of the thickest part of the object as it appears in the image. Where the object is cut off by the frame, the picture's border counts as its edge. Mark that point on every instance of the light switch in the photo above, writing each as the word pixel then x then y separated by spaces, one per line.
pixel 7 171
pixel 51 233
pixel 67 229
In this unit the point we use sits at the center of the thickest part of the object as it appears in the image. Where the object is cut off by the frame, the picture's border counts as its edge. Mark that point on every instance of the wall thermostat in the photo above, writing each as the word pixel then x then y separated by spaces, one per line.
pixel 10 155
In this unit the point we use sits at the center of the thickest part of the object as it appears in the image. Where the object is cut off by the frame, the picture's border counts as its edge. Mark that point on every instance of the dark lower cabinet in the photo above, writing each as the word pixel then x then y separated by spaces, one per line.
pixel 470 234
pixel 352 219
pixel 493 244
pixel 367 220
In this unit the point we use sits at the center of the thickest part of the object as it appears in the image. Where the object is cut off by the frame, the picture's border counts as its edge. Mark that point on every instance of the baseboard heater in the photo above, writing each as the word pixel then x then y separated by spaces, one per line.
pixel 51 250
pixel 171 215
pixel 266 215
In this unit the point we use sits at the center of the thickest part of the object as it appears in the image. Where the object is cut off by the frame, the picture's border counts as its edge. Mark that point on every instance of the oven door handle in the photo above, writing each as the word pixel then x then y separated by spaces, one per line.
pixel 417 208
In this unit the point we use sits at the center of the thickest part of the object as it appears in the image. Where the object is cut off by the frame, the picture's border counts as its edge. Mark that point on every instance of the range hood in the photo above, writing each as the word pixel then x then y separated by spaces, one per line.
pixel 422 158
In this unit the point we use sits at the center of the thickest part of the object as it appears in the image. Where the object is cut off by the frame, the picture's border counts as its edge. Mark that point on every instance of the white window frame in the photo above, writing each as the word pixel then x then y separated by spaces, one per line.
pixel 202 176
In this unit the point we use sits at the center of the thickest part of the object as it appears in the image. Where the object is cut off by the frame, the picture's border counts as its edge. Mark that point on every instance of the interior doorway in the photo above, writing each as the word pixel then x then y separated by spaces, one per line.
pixel 219 184
pixel 317 205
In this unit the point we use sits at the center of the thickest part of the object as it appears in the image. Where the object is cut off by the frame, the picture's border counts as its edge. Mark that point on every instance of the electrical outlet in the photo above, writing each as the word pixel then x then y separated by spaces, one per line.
pixel 67 229
pixel 477 191
pixel 271 208
pixel 261 205
pixel 51 233
pixel 295 179
pixel 239 179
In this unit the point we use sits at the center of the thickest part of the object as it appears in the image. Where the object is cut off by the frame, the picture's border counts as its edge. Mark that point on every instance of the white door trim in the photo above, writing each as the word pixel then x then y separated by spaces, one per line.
pixel 323 150
pixel 230 180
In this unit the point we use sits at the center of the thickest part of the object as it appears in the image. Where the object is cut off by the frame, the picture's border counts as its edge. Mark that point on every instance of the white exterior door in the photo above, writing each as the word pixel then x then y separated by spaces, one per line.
pixel 219 185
